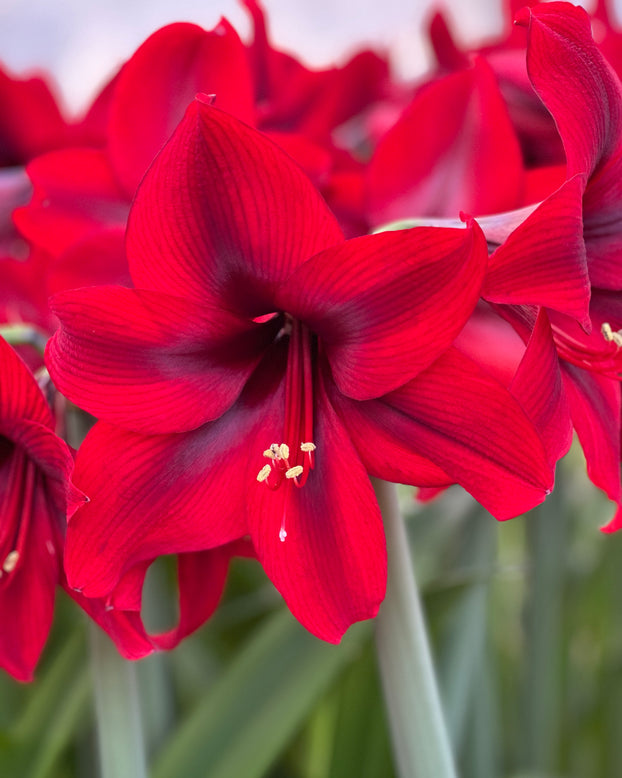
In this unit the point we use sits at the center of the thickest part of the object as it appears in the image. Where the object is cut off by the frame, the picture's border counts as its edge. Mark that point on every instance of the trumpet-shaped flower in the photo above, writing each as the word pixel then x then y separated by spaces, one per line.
pixel 263 366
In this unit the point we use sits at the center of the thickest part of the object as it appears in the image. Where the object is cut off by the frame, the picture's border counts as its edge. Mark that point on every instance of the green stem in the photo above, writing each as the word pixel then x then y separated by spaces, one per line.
pixel 547 532
pixel 119 728
pixel 461 662
pixel 420 740
pixel 24 335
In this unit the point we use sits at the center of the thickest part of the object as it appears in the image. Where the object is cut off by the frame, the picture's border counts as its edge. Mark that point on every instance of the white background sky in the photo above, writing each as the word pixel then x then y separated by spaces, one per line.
pixel 82 41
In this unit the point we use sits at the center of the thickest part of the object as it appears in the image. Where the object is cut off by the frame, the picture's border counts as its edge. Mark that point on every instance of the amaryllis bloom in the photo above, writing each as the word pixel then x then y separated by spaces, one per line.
pixel 290 96
pixel 36 495
pixel 454 148
pixel 563 254
pixel 82 194
pixel 584 96
pixel 261 366
pixel 539 140
pixel 30 124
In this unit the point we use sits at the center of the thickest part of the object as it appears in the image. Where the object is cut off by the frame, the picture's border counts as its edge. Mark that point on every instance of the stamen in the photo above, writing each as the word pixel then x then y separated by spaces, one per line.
pixel 11 561
pixel 292 461
pixel 610 336
pixel 263 474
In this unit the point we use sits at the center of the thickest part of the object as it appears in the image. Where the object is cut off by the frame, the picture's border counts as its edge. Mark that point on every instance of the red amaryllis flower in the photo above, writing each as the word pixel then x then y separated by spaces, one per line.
pixel 539 140
pixel 564 255
pixel 261 364
pixel 453 149
pixel 35 496
pixel 584 96
pixel 290 96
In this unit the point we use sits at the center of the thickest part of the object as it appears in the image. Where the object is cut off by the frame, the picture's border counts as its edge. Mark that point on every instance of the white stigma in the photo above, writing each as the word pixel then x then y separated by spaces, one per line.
pixel 282 534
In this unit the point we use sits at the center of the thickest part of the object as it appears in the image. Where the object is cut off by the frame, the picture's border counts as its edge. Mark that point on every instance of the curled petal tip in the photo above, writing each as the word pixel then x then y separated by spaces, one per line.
pixel 523 17
pixel 206 99
pixel 221 27
pixel 614 525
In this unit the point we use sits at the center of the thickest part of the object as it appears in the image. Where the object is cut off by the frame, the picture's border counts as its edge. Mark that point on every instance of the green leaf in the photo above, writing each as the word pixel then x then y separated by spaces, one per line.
pixel 361 744
pixel 258 704
pixel 49 689
pixel 71 709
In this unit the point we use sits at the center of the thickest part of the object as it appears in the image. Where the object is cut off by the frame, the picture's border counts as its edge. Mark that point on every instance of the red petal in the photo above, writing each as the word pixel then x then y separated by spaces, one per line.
pixel 385 306
pixel 161 79
pixel 602 225
pixel 20 396
pixel 575 83
pixel 584 96
pixel 30 122
pixel 595 407
pixel 74 195
pixel 538 387
pixel 543 261
pixel 453 150
pixel 151 362
pixel 167 494
pixel 201 578
pixel 249 216
pixel 27 596
pixel 447 53
pixel 96 260
pixel 331 567
pixel 467 424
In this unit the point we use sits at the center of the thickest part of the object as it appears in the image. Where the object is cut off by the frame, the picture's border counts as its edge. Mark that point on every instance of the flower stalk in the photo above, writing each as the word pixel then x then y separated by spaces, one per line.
pixel 419 734
pixel 119 726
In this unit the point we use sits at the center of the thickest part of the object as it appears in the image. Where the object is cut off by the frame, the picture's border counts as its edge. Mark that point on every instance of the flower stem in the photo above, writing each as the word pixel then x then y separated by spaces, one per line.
pixel 418 730
pixel 547 538
pixel 119 728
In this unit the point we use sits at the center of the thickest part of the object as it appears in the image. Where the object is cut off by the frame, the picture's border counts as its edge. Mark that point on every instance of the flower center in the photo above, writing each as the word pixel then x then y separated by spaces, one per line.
pixel 289 462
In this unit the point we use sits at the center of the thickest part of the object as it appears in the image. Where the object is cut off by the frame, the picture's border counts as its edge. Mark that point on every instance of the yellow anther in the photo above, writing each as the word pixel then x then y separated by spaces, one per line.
pixel 307 447
pixel 284 451
pixel 294 472
pixel 269 453
pixel 610 336
pixel 11 561
pixel 263 473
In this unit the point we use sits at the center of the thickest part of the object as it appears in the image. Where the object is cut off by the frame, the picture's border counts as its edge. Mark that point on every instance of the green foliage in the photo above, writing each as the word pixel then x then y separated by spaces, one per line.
pixel 524 616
